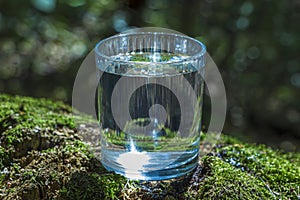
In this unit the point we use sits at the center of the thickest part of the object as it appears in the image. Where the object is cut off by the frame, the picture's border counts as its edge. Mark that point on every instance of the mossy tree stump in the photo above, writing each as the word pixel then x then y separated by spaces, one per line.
pixel 42 156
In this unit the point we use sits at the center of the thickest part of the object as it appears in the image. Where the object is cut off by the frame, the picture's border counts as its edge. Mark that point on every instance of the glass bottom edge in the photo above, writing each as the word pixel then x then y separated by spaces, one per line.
pixel 177 170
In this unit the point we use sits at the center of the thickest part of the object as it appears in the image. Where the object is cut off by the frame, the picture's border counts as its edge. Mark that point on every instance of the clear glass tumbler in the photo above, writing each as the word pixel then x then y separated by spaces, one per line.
pixel 149 103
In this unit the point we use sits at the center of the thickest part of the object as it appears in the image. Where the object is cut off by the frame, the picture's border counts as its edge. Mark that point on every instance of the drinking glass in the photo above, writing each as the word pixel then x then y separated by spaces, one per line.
pixel 149 103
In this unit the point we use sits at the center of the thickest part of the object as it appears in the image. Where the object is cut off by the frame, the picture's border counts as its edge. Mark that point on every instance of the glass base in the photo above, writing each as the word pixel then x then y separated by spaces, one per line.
pixel 150 166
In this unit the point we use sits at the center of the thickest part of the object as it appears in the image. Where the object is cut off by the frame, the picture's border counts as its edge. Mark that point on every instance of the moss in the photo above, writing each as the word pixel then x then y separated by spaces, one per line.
pixel 93 186
pixel 20 115
pixel 42 156
pixel 279 172
pixel 224 181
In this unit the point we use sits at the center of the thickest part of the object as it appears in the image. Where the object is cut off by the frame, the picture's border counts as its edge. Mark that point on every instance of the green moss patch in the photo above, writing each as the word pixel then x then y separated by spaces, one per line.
pixel 43 156
pixel 224 181
pixel 279 172
pixel 41 153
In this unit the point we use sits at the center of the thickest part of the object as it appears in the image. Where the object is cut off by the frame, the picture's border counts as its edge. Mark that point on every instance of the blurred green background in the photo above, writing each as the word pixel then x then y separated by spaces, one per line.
pixel 255 44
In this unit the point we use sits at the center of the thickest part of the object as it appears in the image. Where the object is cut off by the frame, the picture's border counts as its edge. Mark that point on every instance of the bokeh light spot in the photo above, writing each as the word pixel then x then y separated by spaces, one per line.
pixel 156 4
pixel 247 8
pixel 242 23
pixel 76 3
pixel 50 33
pixel 22 29
pixel 295 79
pixel 253 53
pixel 286 39
pixel 89 19
pixel 104 2
pixel 285 93
pixel 44 5
pixel 119 21
pixel 239 55
pixel 78 49
pixel 27 46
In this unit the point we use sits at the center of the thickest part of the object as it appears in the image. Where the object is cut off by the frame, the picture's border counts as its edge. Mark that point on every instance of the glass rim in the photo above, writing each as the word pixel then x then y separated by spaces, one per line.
pixel 189 58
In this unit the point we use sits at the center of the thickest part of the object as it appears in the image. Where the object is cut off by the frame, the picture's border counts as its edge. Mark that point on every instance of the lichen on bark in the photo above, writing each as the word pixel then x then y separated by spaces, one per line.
pixel 43 156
